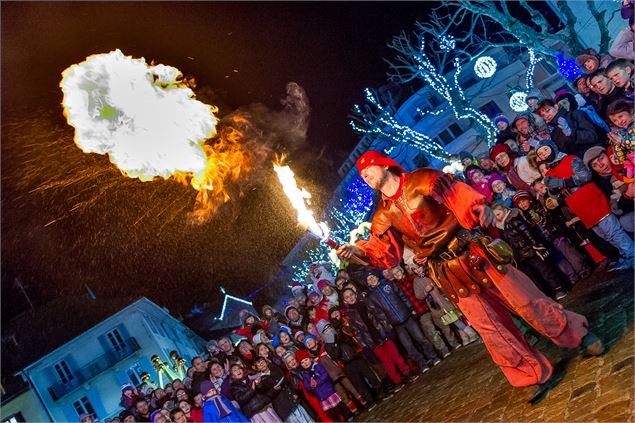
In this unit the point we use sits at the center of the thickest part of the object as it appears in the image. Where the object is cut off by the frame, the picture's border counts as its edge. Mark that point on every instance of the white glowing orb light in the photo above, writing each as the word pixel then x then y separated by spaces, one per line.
pixel 454 167
pixel 485 67
pixel 518 101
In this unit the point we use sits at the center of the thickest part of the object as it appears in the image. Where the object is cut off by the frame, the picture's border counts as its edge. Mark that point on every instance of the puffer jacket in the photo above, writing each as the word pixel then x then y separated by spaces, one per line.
pixel 390 300
pixel 282 399
pixel 250 401
pixel 368 330
pixel 519 236
pixel 324 388
pixel 345 349
pixel 583 132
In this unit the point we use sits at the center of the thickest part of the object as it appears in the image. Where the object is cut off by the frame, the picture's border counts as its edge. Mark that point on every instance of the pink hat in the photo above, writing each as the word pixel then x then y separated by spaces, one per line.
pixel 322 283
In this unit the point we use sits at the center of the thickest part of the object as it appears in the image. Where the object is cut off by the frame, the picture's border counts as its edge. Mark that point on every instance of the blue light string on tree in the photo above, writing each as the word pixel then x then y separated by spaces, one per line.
pixel 568 67
pixel 346 213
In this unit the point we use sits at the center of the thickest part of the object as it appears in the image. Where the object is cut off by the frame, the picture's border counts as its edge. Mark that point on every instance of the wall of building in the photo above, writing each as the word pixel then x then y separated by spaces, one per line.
pixel 27 404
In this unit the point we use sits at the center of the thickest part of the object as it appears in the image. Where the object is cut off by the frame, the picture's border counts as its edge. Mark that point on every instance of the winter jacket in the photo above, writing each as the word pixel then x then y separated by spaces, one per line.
pixel 250 401
pixel 297 383
pixel 282 399
pixel 211 412
pixel 622 46
pixel 582 135
pixel 324 388
pixel 345 349
pixel 609 186
pixel 334 370
pixel 388 299
pixel 519 236
pixel 368 330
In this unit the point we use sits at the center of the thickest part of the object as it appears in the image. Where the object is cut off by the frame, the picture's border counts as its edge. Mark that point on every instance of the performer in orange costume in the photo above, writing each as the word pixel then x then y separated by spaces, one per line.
pixel 433 215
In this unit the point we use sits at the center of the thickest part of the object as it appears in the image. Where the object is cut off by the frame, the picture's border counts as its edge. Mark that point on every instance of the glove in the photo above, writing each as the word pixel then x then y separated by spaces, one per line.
pixel 564 125
pixel 541 252
pixel 554 183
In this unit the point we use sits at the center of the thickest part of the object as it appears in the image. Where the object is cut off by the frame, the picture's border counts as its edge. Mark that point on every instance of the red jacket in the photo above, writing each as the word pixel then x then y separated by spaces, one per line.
pixel 587 202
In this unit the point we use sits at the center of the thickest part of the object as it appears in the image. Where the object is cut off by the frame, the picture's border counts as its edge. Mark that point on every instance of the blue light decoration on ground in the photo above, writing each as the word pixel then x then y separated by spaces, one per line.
pixel 568 67
pixel 345 214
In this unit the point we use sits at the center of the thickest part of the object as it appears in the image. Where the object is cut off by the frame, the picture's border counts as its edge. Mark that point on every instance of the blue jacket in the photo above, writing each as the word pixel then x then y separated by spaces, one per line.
pixel 211 413
pixel 388 301
pixel 324 388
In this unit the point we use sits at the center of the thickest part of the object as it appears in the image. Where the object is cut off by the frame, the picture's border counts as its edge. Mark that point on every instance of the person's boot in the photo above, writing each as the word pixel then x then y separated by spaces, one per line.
pixel 533 392
pixel 352 407
pixel 592 344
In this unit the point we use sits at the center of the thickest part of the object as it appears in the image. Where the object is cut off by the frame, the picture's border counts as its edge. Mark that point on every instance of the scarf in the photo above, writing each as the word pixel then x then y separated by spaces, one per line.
pixel 223 411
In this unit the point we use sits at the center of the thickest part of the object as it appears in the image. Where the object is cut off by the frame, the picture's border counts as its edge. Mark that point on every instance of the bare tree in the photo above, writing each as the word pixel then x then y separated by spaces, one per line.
pixel 487 18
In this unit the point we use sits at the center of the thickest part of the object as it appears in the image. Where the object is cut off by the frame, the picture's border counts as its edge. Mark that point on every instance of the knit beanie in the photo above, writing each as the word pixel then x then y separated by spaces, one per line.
pixel 501 118
pixel 499 148
pixel 301 355
pixel 496 177
pixel 306 338
pixel 296 286
pixel 521 195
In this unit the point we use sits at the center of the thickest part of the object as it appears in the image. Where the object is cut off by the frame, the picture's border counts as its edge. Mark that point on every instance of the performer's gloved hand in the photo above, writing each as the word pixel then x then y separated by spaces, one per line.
pixel 541 252
pixel 347 251
pixel 485 215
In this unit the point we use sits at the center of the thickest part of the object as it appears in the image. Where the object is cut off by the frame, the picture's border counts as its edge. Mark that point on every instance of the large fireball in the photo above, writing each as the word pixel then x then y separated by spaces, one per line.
pixel 142 116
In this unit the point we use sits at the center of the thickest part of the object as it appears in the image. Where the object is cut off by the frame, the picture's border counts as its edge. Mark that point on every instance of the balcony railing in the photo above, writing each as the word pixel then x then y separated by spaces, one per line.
pixel 93 368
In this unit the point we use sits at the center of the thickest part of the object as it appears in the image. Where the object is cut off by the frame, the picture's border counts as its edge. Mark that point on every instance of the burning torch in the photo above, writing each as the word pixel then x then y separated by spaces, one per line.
pixel 298 198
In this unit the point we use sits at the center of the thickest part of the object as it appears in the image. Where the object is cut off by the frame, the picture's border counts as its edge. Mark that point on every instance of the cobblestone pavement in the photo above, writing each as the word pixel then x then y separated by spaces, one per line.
pixel 467 386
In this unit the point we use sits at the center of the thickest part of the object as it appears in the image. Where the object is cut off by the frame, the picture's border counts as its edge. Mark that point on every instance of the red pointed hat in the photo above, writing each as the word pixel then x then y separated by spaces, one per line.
pixel 375 158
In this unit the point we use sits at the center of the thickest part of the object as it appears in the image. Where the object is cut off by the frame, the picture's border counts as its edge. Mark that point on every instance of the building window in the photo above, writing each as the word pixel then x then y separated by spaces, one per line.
pixel 470 82
pixel 456 130
pixel 134 374
pixel 548 67
pixel 421 160
pixel 82 405
pixel 435 101
pixel 445 137
pixel 116 340
pixel 152 325
pixel 564 87
pixel 491 109
pixel 14 418
pixel 63 372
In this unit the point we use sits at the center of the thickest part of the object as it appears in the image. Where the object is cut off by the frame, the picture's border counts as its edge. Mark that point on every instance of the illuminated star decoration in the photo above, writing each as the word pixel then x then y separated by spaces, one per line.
pixel 568 67
pixel 485 67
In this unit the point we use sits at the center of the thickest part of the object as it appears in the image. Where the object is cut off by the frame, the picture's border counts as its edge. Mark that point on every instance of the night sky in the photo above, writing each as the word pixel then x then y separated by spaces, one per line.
pixel 71 220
